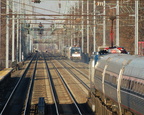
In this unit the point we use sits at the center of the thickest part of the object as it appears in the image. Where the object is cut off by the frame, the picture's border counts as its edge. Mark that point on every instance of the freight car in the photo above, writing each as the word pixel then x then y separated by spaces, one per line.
pixel 118 81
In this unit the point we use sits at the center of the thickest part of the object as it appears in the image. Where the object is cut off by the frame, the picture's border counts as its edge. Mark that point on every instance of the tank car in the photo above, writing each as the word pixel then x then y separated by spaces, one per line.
pixel 118 80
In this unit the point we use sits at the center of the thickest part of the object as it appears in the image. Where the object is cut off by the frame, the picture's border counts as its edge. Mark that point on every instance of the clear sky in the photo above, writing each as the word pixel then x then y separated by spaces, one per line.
pixel 49 5
pixel 52 7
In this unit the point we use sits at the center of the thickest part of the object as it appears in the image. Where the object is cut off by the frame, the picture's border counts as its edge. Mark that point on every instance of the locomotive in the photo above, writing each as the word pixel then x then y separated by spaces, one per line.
pixel 118 80
pixel 73 53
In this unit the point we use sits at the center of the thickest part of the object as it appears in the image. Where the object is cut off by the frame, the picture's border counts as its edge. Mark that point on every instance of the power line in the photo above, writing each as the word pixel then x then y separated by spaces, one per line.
pixel 38 7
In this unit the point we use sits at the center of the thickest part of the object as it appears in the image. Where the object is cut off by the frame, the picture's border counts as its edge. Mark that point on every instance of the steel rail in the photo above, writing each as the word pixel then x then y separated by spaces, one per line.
pixel 15 88
pixel 77 70
pixel 28 99
pixel 85 85
pixel 55 97
pixel 68 90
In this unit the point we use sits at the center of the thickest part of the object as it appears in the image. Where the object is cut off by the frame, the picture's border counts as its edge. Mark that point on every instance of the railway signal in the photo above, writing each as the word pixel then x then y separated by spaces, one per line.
pixel 28 28
pixel 40 28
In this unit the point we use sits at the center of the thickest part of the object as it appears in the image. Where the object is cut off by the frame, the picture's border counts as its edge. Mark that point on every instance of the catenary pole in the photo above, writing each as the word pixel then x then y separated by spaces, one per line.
pixel 117 23
pixel 20 35
pixel 82 30
pixel 136 27
pixel 87 26
pixel 7 34
pixel 104 23
pixel 94 28
pixel 0 25
pixel 31 37
pixel 74 12
pixel 13 34
pixel 17 48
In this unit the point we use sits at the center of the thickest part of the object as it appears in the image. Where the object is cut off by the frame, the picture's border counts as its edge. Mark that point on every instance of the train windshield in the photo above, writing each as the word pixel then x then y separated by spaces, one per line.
pixel 74 50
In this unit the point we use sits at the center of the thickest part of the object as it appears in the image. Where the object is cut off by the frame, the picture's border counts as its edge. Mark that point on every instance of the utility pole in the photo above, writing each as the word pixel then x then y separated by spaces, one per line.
pixel 31 37
pixel 94 28
pixel 88 26
pixel 74 13
pixel 82 30
pixel 0 24
pixel 117 23
pixel 104 23
pixel 71 28
pixel 7 34
pixel 18 35
pixel 78 37
pixel 136 27
pixel 13 34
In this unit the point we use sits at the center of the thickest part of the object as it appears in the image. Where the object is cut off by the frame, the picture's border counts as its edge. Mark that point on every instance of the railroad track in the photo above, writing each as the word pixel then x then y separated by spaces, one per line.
pixel 42 89
pixel 62 100
pixel 81 67
pixel 79 97
pixel 77 74
pixel 71 83
pixel 14 103
pixel 66 103
pixel 79 71
pixel 48 79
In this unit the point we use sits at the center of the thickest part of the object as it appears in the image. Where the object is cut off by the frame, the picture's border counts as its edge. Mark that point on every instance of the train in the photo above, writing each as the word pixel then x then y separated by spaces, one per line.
pixel 117 79
pixel 73 53
pixel 113 50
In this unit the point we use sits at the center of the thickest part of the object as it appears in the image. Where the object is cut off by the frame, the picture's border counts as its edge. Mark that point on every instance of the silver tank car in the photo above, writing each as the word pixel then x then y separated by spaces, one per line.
pixel 118 79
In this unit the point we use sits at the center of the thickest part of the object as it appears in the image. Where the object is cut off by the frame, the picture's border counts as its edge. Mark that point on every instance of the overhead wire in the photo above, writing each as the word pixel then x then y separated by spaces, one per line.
pixel 35 7
pixel 38 7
